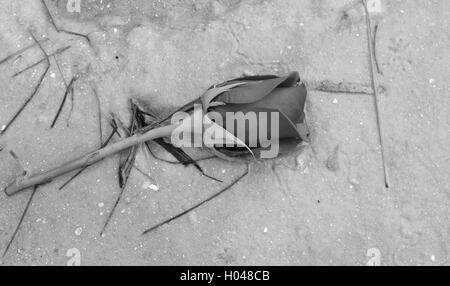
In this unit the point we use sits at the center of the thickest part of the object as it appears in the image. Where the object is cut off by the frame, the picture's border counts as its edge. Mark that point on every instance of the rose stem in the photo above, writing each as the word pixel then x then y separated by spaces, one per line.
pixel 375 92
pixel 88 159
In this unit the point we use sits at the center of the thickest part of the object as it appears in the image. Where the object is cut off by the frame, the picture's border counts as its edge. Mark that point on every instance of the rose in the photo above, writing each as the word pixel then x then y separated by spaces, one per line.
pixel 277 97
pixel 262 115
pixel 268 98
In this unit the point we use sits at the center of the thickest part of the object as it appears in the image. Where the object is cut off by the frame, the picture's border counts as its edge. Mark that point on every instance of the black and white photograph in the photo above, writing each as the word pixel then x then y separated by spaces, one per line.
pixel 226 133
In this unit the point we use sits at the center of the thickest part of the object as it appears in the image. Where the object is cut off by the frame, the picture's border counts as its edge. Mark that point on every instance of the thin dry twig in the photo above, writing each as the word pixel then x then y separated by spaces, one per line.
pixel 126 163
pixel 199 204
pixel 340 87
pixel 150 151
pixel 22 217
pixel 99 112
pixel 142 172
pixel 35 90
pixel 66 86
pixel 8 57
pixel 376 95
pixel 84 168
pixel 23 183
pixel 58 51
pixel 183 157
pixel 68 90
pixel 59 30
pixel 375 33
pixel 16 158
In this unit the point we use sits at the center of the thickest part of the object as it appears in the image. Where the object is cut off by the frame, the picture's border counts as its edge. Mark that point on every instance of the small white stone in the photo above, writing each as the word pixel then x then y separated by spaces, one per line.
pixel 433 258
pixel 335 101
pixel 78 231
pixel 149 185
pixel 266 229
pixel 3 127
pixel 100 205
pixel 432 80
pixel 52 75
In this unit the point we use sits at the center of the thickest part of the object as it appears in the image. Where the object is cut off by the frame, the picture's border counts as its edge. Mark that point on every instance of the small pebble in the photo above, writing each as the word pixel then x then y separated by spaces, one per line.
pixel 333 160
pixel 153 187
pixel 100 205
pixel 78 231
pixel 266 229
